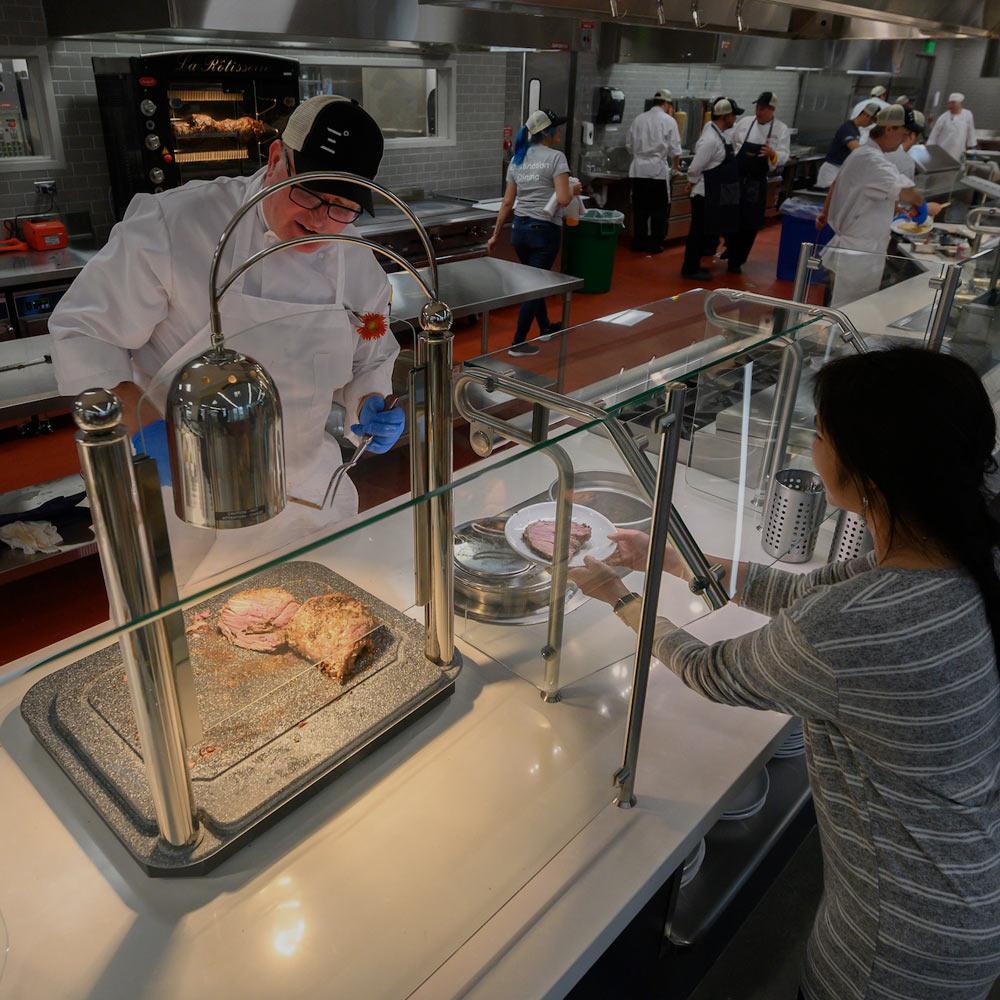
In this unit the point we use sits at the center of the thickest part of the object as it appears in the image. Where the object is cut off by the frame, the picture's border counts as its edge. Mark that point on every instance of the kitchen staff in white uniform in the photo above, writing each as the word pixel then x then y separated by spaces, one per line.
pixel 655 144
pixel 879 92
pixel 860 207
pixel 315 317
pixel 900 158
pixel 762 144
pixel 954 131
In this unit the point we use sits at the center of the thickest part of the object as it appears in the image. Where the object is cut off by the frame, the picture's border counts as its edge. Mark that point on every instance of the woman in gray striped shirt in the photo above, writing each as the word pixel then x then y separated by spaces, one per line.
pixel 891 662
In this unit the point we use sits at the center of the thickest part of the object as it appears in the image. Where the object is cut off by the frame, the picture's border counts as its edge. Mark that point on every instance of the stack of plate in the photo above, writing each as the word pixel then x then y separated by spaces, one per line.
pixel 750 799
pixel 692 863
pixel 794 744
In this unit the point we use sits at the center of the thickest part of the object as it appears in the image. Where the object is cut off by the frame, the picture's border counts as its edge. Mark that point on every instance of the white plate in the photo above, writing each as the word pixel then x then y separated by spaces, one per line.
pixel 600 527
pixel 925 228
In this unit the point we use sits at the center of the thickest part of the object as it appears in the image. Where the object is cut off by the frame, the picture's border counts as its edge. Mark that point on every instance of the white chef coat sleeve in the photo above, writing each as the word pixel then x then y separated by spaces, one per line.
pixel 887 179
pixel 368 291
pixel 115 302
pixel 701 161
pixel 970 133
pixel 631 137
pixel 782 144
pixel 934 139
pixel 673 138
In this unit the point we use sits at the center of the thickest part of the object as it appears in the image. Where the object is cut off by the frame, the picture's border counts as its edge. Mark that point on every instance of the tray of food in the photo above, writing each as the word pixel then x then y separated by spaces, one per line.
pixel 297 674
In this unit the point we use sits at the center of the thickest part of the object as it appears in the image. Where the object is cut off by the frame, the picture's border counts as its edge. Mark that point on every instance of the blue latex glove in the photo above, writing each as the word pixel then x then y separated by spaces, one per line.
pixel 385 426
pixel 901 217
pixel 920 214
pixel 153 441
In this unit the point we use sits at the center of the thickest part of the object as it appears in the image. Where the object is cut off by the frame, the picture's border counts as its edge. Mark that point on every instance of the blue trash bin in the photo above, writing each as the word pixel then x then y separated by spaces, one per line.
pixel 798 226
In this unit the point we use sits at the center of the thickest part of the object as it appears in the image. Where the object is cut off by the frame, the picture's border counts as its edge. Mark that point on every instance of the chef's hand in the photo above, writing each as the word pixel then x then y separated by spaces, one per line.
pixel 934 207
pixel 385 426
pixel 766 150
pixel 821 220
pixel 596 580
pixel 576 189
pixel 919 213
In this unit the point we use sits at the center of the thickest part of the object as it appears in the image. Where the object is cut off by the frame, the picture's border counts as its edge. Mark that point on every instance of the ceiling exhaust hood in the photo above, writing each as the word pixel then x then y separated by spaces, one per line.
pixel 800 18
pixel 390 25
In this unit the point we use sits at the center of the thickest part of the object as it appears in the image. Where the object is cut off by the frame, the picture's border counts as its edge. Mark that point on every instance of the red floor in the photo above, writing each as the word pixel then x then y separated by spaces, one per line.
pixel 76 589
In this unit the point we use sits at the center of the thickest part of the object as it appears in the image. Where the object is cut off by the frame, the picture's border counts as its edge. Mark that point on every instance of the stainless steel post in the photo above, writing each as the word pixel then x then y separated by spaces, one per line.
pixel 131 578
pixel 484 332
pixel 439 615
pixel 808 262
pixel 662 506
pixel 947 285
pixel 786 392
pixel 552 653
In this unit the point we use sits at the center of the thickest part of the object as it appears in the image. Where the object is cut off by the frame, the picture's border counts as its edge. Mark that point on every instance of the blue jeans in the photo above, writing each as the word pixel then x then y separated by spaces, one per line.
pixel 536 244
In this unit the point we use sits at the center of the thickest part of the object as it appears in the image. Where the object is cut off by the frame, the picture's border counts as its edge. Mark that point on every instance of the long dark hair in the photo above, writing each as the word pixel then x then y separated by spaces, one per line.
pixel 915 430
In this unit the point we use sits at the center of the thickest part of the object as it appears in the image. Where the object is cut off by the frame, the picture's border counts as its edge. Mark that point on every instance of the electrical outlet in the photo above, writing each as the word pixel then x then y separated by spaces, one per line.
pixel 45 187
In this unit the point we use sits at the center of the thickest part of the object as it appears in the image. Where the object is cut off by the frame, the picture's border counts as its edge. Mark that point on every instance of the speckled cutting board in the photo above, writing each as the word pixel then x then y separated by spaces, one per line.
pixel 273 723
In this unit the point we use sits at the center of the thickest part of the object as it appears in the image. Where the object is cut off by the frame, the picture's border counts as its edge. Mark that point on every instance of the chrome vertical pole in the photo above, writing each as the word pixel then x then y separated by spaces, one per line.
pixel 552 653
pixel 808 262
pixel 947 285
pixel 439 615
pixel 786 392
pixel 669 445
pixel 130 574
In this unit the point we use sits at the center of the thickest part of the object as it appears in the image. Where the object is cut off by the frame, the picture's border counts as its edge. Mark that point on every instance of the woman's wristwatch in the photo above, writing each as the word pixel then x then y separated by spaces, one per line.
pixel 624 601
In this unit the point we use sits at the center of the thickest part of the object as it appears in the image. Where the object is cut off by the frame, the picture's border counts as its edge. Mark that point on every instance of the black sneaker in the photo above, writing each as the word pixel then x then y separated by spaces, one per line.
pixel 551 331
pixel 521 350
pixel 701 275
pixel 734 269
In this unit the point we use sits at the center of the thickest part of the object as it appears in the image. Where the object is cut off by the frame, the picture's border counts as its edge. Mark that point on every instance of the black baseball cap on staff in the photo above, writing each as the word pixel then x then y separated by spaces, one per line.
pixel 335 133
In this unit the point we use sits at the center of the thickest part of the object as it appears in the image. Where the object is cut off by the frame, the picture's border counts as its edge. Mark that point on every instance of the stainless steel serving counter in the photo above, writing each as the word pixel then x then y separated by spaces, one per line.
pixel 481 285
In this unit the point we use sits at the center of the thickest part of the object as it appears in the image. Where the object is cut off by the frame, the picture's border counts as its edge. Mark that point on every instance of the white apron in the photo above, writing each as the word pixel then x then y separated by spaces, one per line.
pixel 309 352
pixel 827 174
pixel 855 274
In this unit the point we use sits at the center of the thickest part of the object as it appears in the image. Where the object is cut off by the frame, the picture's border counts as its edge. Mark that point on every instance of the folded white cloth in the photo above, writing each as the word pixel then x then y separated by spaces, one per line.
pixel 31 536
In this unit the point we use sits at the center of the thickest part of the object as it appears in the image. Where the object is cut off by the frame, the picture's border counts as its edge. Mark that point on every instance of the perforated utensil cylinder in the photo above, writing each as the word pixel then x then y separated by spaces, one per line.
pixel 794 514
pixel 851 538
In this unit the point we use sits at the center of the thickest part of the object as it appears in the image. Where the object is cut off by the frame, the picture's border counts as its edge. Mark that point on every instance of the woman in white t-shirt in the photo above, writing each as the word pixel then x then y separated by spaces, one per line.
pixel 537 171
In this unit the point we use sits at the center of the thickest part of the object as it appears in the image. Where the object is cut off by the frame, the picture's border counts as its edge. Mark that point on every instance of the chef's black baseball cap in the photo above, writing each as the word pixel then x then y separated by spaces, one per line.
pixel 336 133
pixel 767 99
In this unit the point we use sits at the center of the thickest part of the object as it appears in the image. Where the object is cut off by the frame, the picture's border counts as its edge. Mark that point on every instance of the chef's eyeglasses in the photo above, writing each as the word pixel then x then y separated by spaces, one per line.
pixel 306 199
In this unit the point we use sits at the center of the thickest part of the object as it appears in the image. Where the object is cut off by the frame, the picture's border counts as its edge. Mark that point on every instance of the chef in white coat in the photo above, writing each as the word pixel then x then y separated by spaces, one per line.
pixel 654 141
pixel 879 92
pixel 315 316
pixel 860 207
pixel 954 131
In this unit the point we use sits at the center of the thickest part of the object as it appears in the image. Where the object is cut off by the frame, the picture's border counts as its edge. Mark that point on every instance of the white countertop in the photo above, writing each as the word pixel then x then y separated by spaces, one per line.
pixel 477 854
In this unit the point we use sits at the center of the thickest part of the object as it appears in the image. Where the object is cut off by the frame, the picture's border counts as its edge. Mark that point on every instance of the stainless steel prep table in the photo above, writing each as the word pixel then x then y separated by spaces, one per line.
pixel 30 267
pixel 481 285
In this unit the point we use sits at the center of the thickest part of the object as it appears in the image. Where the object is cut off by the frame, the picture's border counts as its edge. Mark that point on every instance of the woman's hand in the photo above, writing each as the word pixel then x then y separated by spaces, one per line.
pixel 632 549
pixel 491 243
pixel 576 189
pixel 597 580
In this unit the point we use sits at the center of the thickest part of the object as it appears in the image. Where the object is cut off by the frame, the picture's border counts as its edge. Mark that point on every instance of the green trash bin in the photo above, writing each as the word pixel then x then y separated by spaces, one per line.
pixel 588 249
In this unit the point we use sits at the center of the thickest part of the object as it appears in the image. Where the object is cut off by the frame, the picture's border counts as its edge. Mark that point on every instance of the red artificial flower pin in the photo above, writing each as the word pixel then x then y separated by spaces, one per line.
pixel 372 326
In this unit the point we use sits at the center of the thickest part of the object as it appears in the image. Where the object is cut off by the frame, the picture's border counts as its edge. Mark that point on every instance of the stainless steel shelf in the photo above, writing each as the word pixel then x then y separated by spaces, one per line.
pixel 735 849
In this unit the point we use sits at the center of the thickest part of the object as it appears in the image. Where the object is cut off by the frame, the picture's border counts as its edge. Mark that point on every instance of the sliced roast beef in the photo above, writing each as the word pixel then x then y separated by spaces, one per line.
pixel 540 537
pixel 256 619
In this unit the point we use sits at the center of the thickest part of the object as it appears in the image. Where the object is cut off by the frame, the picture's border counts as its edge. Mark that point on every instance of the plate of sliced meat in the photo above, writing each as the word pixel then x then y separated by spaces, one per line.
pixel 531 533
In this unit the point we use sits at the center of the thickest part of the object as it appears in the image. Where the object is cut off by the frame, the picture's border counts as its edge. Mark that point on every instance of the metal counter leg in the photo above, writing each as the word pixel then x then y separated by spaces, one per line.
pixel 669 445
pixel 484 335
